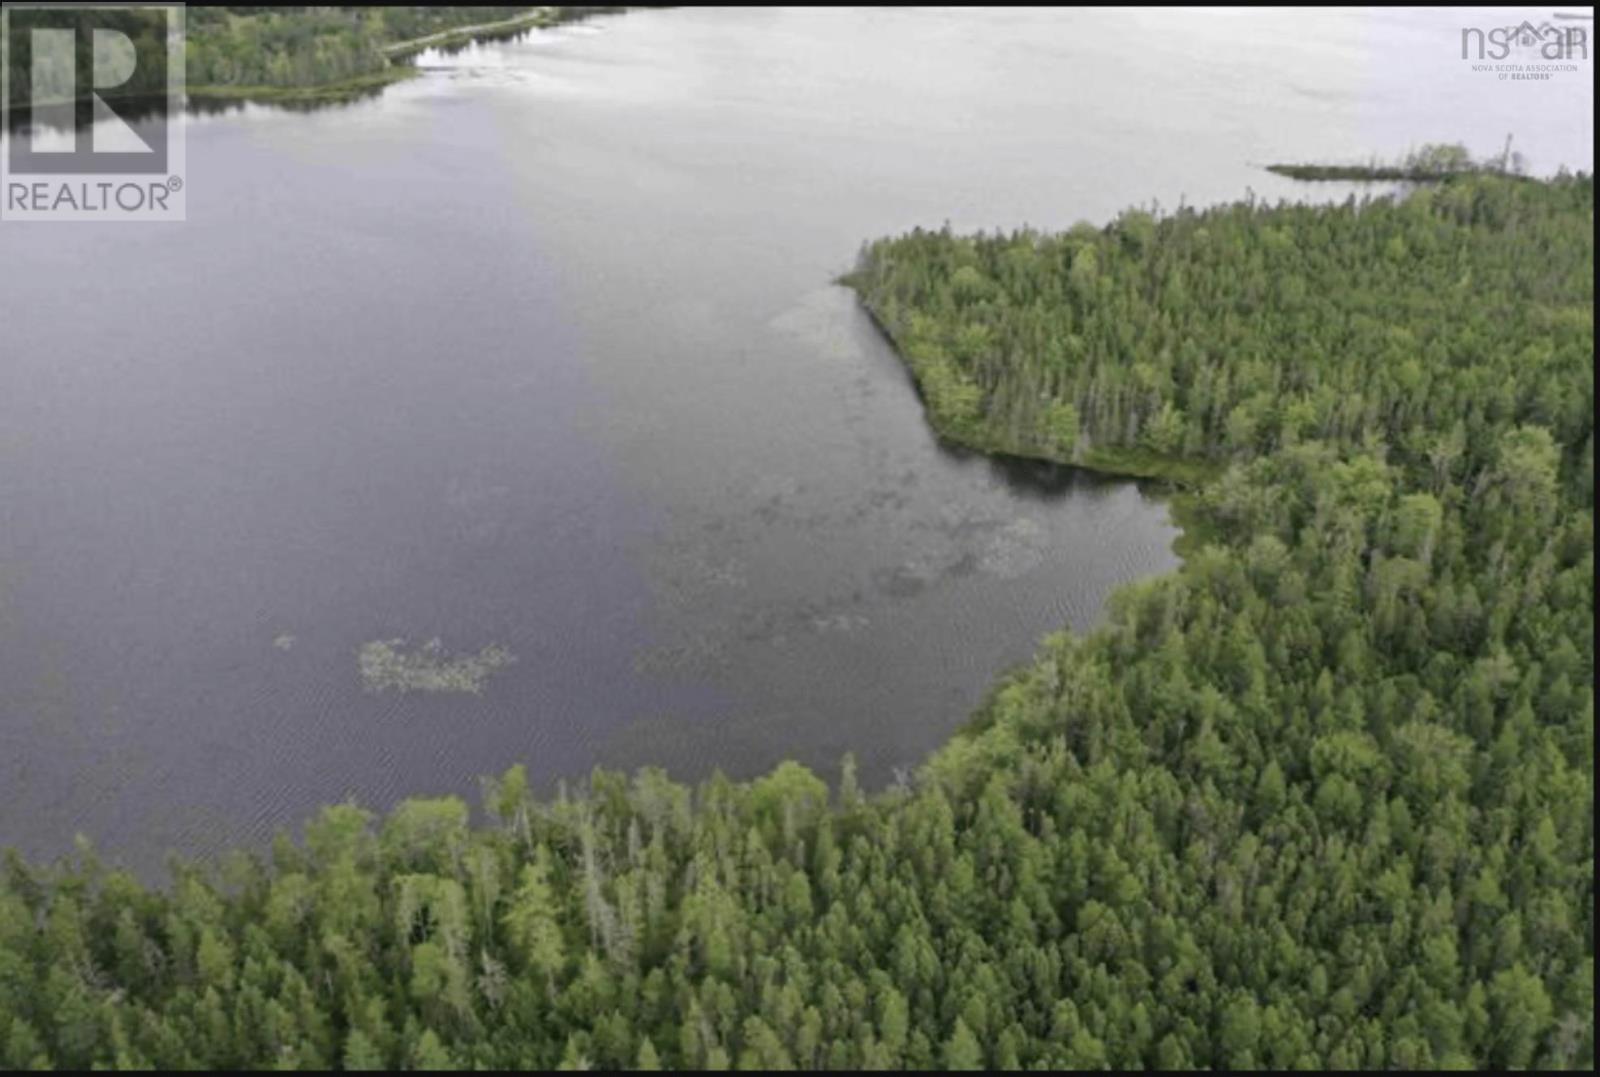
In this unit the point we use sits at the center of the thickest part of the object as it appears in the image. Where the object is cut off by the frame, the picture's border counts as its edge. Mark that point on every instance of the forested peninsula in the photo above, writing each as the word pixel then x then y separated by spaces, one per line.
pixel 1323 797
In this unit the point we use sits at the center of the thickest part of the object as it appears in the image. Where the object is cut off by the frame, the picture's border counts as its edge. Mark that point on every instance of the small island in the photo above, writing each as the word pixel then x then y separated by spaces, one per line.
pixel 1432 163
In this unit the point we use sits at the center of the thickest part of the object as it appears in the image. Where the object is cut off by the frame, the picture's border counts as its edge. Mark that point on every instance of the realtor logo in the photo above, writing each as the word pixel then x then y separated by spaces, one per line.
pixel 1545 42
pixel 91 95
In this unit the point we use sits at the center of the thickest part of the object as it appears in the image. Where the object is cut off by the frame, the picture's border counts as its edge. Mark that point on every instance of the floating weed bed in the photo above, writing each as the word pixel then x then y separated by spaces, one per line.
pixel 387 664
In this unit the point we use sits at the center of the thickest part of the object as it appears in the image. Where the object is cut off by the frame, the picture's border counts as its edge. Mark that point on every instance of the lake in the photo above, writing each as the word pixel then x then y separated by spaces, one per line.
pixel 539 356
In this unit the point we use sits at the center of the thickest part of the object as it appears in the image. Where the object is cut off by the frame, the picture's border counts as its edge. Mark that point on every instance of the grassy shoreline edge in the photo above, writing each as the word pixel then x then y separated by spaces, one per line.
pixel 330 92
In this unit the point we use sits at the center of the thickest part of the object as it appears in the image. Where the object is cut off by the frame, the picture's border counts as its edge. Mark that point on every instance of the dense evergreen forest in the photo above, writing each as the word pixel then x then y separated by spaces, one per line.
pixel 1323 797
pixel 1427 325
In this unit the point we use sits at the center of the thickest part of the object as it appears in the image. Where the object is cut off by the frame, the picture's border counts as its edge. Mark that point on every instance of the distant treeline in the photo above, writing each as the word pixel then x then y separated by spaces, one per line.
pixel 1431 163
pixel 229 50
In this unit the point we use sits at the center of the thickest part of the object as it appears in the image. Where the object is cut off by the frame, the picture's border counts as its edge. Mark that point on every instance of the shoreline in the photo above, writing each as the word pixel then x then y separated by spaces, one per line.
pixel 539 18
pixel 328 92
pixel 397 57
pixel 1177 481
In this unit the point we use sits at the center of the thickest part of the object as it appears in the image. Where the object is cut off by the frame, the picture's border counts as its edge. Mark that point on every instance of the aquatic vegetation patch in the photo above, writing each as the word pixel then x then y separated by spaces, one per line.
pixel 1015 550
pixel 386 664
pixel 839 622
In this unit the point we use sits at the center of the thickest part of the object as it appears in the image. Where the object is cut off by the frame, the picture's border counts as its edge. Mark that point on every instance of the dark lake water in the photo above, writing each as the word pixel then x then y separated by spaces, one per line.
pixel 540 352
